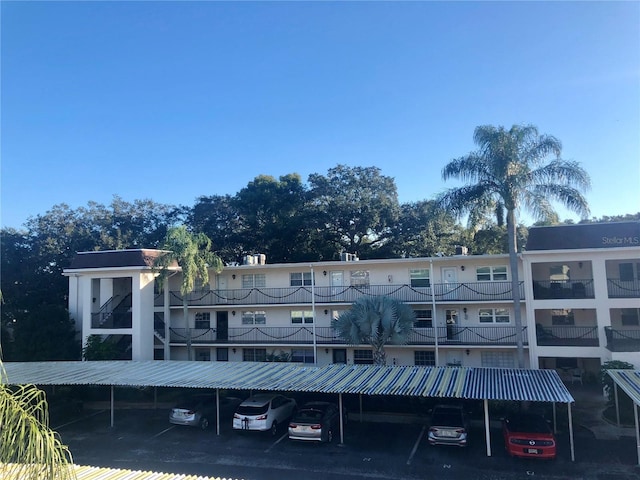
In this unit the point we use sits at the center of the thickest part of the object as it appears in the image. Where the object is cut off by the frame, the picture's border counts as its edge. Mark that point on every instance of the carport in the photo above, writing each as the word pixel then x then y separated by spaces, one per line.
pixel 464 383
pixel 629 382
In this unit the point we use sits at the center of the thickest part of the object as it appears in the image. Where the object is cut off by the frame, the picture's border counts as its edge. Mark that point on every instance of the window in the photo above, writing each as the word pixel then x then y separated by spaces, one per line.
pixel 300 279
pixel 359 278
pixel 423 319
pixel 424 358
pixel 562 317
pixel 222 354
pixel 256 280
pixel 419 277
pixel 494 315
pixel 299 317
pixel 203 355
pixel 363 357
pixel 629 317
pixel 203 320
pixel 497 359
pixel 254 354
pixel 491 274
pixel 254 318
pixel 302 356
pixel 626 271
pixel 559 273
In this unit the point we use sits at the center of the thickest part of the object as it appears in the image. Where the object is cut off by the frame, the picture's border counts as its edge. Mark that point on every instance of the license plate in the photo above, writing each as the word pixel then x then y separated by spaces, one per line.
pixel 447 433
pixel 531 450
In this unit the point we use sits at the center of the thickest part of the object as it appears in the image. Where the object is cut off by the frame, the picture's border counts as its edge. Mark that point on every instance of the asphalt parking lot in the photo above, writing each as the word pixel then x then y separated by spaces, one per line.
pixel 144 439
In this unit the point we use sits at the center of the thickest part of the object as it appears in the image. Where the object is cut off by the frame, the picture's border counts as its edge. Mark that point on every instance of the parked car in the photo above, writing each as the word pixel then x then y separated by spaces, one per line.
pixel 200 410
pixel 449 426
pixel 316 421
pixel 264 412
pixel 528 435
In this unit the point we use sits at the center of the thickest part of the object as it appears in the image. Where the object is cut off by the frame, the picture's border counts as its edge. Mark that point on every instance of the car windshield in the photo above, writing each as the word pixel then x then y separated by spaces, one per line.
pixel 447 418
pixel 308 416
pixel 253 410
pixel 528 424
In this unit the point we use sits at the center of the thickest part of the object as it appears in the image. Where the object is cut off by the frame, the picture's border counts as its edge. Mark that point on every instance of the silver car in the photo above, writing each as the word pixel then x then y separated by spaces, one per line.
pixel 200 410
pixel 316 421
pixel 449 426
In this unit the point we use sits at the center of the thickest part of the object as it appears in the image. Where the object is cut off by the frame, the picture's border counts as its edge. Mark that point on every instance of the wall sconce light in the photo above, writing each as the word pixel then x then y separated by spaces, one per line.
pixel 462 268
pixel 326 311
pixel 324 272
pixel 326 350
pixel 233 312
pixel 233 350
pixel 579 264
pixel 233 276
pixel 467 351
pixel 390 278
pixel 464 310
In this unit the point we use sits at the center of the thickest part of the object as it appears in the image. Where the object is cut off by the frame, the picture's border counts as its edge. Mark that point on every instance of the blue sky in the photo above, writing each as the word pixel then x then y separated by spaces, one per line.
pixel 174 100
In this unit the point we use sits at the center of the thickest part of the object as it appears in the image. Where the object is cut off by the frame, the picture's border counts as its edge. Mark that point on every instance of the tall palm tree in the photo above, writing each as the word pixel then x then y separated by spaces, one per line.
pixel 29 449
pixel 376 321
pixel 192 252
pixel 509 169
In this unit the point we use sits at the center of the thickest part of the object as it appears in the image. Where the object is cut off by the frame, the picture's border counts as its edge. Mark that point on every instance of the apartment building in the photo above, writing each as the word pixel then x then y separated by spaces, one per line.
pixel 579 304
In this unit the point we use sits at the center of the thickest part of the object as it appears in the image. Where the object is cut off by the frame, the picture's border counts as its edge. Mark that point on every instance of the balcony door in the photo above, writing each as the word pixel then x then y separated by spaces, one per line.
pixel 222 326
pixel 222 289
pixel 450 281
pixel 337 282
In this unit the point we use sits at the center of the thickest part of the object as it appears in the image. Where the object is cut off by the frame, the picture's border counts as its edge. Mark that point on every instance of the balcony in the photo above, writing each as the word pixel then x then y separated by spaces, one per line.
pixel 443 292
pixel 623 288
pixel 566 336
pixel 303 335
pixel 546 289
pixel 623 339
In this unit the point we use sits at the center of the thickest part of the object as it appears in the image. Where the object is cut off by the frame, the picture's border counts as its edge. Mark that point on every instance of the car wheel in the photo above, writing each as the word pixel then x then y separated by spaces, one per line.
pixel 204 424
pixel 330 436
pixel 274 428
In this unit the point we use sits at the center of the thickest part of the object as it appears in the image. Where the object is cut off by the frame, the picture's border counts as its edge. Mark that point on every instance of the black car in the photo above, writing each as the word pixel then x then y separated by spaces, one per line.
pixel 316 421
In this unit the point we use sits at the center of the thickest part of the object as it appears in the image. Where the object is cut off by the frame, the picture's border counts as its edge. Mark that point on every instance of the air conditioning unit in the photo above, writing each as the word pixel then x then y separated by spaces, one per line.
pixel 348 257
pixel 460 250
pixel 247 260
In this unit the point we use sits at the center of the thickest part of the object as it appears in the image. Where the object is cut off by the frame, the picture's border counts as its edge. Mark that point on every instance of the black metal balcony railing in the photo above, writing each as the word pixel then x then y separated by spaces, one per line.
pixel 623 288
pixel 545 289
pixel 443 292
pixel 111 320
pixel 567 336
pixel 303 335
pixel 623 339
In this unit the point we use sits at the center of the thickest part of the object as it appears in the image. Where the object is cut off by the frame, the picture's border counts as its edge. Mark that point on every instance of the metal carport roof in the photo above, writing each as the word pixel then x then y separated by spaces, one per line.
pixel 629 382
pixel 443 382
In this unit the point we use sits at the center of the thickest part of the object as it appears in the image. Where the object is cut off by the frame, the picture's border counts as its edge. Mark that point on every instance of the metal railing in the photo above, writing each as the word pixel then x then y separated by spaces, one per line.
pixel 567 336
pixel 545 289
pixel 110 316
pixel 443 292
pixel 450 335
pixel 623 339
pixel 623 288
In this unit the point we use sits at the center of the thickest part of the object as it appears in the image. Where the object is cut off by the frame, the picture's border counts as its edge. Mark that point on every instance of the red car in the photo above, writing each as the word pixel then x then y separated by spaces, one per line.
pixel 528 435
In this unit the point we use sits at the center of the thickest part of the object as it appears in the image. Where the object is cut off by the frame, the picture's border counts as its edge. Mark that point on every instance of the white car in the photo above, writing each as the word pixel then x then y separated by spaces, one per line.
pixel 264 412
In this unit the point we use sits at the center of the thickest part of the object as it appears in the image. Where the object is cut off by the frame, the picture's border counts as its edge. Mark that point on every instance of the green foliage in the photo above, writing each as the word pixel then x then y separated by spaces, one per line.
pixel 376 321
pixel 98 348
pixel 607 381
pixel 29 449
pixel 281 356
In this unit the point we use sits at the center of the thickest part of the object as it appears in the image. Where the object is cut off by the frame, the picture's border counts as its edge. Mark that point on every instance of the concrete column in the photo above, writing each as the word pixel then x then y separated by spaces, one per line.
pixel 142 316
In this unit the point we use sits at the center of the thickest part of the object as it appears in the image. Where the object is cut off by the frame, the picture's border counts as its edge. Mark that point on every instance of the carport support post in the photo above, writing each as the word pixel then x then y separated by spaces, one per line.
pixel 112 407
pixel 342 421
pixel 360 397
pixel 635 417
pixel 615 395
pixel 486 426
pixel 573 450
pixel 555 419
pixel 217 411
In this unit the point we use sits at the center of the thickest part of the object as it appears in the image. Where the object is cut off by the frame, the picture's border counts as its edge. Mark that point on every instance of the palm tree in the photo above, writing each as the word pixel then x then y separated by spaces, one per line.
pixel 29 450
pixel 508 169
pixel 192 252
pixel 376 321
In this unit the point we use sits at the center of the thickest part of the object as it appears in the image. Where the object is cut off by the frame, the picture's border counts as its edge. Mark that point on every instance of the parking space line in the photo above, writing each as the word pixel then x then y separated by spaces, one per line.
pixel 164 431
pixel 415 446
pixel 78 419
pixel 286 435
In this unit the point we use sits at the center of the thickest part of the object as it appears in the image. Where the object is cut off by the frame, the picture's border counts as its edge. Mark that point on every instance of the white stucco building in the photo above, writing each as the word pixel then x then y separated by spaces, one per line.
pixel 579 291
